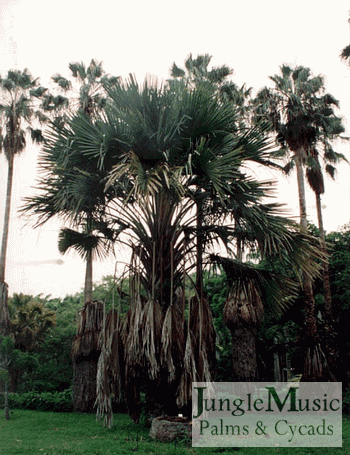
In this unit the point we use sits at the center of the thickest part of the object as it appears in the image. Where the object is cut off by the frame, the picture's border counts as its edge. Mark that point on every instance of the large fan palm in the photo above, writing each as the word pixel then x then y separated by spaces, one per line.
pixel 175 185
pixel 180 148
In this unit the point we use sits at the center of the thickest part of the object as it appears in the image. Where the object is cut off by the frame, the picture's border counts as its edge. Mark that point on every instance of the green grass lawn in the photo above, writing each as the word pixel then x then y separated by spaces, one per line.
pixel 34 432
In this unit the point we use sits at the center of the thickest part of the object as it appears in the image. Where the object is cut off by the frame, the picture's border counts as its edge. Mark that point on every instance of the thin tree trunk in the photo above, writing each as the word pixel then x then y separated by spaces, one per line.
pixel 313 355
pixel 6 219
pixel 301 191
pixel 332 349
pixel 88 292
pixel 276 367
pixel 199 247
pixel 326 282
pixel 4 314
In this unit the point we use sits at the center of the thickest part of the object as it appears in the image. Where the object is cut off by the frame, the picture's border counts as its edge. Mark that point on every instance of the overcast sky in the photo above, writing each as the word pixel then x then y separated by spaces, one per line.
pixel 252 37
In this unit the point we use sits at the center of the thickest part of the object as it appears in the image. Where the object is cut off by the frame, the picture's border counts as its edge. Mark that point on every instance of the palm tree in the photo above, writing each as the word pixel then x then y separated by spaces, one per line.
pixel 302 116
pixel 18 92
pixel 85 91
pixel 315 179
pixel 196 73
pixel 90 100
pixel 184 163
pixel 157 155
pixel 72 189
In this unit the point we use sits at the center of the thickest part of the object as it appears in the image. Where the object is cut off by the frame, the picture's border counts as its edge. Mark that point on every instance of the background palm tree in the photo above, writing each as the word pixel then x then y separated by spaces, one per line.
pixel 302 115
pixel 17 108
pixel 72 189
pixel 83 93
pixel 196 73
pixel 315 179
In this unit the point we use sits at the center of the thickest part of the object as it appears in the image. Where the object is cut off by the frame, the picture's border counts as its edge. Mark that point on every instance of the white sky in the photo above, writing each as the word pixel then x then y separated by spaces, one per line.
pixel 252 37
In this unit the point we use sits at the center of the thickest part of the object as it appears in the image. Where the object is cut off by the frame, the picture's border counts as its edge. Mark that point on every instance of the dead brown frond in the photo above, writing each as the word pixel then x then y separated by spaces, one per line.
pixel 199 355
pixel 173 337
pixel 244 305
pixel 89 325
pixel 202 327
pixel 133 342
pixel 151 336
pixel 189 375
pixel 110 367
pixel 166 357
pixel 315 364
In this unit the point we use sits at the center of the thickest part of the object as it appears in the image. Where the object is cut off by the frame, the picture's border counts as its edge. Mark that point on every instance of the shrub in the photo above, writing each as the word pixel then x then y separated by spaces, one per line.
pixel 46 401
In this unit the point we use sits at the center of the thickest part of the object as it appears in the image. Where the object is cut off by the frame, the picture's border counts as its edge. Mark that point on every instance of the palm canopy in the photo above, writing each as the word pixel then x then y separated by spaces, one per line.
pixel 345 54
pixel 156 139
pixel 83 92
pixel 300 111
pixel 196 73
pixel 18 92
pixel 183 142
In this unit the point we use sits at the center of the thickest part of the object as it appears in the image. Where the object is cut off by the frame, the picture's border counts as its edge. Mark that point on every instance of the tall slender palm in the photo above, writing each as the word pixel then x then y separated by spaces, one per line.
pixel 83 94
pixel 302 115
pixel 72 189
pixel 315 179
pixel 17 108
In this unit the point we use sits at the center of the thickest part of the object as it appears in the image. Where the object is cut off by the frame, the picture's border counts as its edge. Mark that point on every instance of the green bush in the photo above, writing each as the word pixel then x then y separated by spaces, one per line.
pixel 46 401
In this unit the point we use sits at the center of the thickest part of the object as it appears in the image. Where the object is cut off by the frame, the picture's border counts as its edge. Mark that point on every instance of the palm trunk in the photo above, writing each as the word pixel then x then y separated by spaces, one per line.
pixel 6 219
pixel 301 191
pixel 244 360
pixel 331 335
pixel 199 252
pixel 85 354
pixel 88 292
pixel 4 314
pixel 326 282
pixel 313 356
